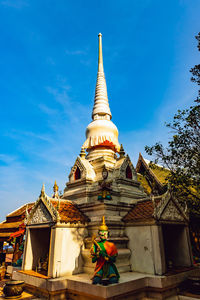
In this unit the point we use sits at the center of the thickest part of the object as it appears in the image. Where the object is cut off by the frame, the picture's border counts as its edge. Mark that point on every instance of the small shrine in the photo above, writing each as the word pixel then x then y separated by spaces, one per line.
pixel 158 235
pixel 54 237
pixel 148 234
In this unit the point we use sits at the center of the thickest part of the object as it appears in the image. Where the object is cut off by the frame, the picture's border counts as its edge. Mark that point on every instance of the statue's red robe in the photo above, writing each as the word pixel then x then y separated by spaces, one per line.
pixel 111 252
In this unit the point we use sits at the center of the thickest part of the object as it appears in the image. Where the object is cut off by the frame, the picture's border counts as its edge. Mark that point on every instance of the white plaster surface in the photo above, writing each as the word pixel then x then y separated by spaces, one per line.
pixel 140 244
pixel 65 251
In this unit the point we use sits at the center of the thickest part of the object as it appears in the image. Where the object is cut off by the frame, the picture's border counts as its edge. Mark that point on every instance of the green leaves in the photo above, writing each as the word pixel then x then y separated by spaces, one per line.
pixel 182 155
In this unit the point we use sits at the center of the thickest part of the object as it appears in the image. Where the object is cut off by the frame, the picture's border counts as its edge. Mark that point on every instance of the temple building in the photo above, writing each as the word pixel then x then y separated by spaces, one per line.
pixel 12 231
pixel 149 230
pixel 153 177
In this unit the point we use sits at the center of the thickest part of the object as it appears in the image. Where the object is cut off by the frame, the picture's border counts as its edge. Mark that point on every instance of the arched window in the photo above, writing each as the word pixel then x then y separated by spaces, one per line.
pixel 129 173
pixel 77 174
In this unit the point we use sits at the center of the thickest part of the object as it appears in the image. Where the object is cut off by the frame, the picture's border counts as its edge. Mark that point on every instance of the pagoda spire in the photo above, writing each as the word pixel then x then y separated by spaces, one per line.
pixel 101 132
pixel 101 105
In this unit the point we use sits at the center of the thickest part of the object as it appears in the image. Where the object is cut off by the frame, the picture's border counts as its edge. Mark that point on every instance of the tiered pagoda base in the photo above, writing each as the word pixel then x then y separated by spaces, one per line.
pixel 132 285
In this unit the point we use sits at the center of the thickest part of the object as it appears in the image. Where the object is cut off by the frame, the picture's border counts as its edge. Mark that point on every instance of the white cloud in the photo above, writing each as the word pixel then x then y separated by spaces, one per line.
pixel 7 159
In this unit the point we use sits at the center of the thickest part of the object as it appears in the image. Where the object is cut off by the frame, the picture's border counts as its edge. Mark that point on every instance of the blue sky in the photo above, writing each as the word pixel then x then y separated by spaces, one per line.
pixel 48 66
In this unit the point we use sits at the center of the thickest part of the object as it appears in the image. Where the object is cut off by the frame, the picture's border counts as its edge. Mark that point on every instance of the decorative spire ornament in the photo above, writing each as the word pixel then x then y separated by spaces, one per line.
pixel 101 106
pixel 82 153
pixel 42 190
pixel 101 131
pixel 121 151
pixel 55 189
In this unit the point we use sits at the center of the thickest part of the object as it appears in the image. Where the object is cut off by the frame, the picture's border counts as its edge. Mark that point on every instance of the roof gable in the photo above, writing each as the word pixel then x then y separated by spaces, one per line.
pixel 87 170
pixel 42 212
pixel 160 209
pixel 120 168
pixel 169 209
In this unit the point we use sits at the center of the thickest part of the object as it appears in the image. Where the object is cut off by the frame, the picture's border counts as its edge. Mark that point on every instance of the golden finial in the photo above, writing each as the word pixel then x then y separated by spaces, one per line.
pixel 42 190
pixel 103 226
pixel 121 151
pixel 82 153
pixel 55 189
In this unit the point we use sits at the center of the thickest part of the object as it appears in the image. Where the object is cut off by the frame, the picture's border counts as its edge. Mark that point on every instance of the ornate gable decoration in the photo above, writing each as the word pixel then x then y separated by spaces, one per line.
pixel 80 165
pixel 86 170
pixel 42 212
pixel 127 162
pixel 169 209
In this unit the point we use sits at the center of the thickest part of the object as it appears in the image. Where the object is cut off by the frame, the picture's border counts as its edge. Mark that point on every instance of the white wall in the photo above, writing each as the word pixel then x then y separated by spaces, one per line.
pixel 65 251
pixel 140 244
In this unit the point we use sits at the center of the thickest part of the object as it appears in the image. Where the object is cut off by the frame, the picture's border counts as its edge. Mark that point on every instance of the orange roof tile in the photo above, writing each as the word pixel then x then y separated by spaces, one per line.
pixel 141 211
pixel 69 213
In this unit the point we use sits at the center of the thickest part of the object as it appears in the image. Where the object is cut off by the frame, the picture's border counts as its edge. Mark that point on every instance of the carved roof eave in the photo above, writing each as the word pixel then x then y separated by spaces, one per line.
pixel 72 225
pixel 47 203
pixel 152 221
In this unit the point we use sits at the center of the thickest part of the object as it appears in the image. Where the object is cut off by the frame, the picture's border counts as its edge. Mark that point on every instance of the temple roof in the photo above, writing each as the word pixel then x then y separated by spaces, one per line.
pixel 10 225
pixel 19 212
pixel 151 176
pixel 13 222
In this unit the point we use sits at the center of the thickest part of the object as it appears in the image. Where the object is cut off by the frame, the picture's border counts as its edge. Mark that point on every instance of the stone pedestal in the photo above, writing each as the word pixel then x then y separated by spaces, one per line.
pixel 132 285
pixel 113 214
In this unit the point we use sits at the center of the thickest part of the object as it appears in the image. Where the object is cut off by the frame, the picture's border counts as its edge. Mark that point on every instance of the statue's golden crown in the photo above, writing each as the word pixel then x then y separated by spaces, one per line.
pixel 103 226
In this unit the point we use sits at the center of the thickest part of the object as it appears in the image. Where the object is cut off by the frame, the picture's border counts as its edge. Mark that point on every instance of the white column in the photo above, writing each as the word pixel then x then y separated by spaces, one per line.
pixel 28 252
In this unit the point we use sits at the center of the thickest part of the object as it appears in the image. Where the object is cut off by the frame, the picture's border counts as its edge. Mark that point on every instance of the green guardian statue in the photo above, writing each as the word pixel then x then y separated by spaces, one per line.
pixel 104 253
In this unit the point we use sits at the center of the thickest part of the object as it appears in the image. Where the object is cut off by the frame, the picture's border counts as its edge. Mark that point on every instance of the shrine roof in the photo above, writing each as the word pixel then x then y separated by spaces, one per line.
pixel 20 211
pixel 142 179
pixel 5 236
pixel 69 212
pixel 10 224
pixel 14 220
pixel 160 172
pixel 151 175
pixel 142 210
